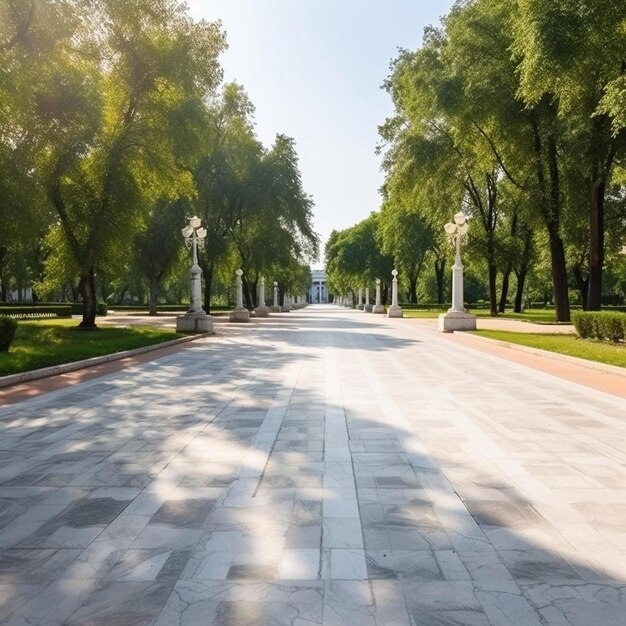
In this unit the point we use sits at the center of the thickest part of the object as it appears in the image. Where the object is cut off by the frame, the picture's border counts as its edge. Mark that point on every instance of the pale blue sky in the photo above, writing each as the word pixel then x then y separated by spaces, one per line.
pixel 313 69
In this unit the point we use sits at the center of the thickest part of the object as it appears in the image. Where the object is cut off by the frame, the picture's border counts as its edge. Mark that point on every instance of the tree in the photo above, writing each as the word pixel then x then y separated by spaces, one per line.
pixel 408 237
pixel 113 109
pixel 158 245
pixel 571 53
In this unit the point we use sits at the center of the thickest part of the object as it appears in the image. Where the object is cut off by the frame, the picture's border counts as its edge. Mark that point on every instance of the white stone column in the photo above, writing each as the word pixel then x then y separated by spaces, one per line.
pixel 261 310
pixel 239 314
pixel 378 307
pixel 367 307
pixel 457 318
pixel 359 304
pixel 457 281
pixel 394 310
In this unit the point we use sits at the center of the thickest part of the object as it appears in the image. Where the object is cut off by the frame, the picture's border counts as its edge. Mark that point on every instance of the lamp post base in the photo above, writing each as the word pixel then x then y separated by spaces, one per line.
pixel 394 311
pixel 286 308
pixel 239 316
pixel 455 320
pixel 261 311
pixel 274 309
pixel 378 308
pixel 194 322
pixel 368 308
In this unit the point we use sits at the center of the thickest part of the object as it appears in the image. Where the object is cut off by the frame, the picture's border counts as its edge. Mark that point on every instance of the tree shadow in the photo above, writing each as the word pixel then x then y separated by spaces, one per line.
pixel 218 479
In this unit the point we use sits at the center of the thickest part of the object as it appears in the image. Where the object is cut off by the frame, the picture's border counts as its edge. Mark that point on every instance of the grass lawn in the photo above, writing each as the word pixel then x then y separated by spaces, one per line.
pixel 538 316
pixel 52 342
pixel 591 349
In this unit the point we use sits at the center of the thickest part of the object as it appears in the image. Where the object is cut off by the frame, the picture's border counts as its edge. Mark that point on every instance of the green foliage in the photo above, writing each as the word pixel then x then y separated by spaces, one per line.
pixel 609 325
pixel 7 332
pixel 47 343
pixel 569 345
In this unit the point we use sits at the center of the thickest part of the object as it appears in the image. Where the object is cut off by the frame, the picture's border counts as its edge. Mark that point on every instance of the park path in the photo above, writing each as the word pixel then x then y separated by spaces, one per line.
pixel 324 466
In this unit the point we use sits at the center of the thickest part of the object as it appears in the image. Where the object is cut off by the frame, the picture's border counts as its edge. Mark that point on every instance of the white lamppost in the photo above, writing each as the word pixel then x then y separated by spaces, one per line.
pixel 457 318
pixel 195 320
pixel 394 310
pixel 367 307
pixel 239 313
pixel 378 307
pixel 261 310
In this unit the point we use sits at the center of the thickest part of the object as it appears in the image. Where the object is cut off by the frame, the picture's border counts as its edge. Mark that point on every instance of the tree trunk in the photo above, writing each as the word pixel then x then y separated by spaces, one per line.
pixel 559 277
pixel 154 294
pixel 3 285
pixel 440 266
pixel 412 288
pixel 551 209
pixel 248 295
pixel 207 271
pixel 493 289
pixel 87 288
pixel 519 293
pixel 505 288
pixel 582 284
pixel 596 245
pixel 523 270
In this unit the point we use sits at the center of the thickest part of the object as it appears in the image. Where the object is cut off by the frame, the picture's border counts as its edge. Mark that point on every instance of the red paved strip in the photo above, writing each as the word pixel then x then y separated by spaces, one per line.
pixel 602 381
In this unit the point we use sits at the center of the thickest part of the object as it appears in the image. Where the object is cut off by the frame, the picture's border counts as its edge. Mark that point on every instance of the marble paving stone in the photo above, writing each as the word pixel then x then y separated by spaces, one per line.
pixel 243 604
pixel 301 481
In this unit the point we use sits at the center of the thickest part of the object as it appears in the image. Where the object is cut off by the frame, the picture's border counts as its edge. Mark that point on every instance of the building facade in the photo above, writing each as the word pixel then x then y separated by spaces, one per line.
pixel 318 292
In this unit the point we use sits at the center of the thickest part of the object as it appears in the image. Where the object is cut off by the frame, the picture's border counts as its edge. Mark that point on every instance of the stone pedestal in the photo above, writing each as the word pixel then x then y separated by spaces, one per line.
pixel 239 315
pixel 394 311
pixel 275 309
pixel 286 308
pixel 379 307
pixel 456 320
pixel 368 307
pixel 194 322
pixel 261 310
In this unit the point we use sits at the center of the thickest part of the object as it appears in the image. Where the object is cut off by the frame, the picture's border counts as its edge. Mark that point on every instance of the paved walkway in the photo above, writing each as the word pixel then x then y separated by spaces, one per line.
pixel 321 467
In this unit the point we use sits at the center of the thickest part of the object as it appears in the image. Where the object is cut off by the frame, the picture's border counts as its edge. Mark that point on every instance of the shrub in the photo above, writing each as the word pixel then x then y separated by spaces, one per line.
pixel 36 310
pixel 8 327
pixel 601 324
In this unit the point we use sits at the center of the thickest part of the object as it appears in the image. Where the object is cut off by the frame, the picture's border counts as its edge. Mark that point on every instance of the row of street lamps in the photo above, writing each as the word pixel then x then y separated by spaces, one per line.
pixel 457 317
pixel 196 319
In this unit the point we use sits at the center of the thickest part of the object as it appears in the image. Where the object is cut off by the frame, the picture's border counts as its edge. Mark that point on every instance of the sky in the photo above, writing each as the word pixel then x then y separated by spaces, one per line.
pixel 313 69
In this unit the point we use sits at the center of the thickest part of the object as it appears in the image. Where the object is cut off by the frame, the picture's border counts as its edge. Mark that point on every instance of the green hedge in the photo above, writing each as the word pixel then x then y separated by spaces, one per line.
pixel 600 324
pixel 8 327
pixel 77 308
pixel 36 311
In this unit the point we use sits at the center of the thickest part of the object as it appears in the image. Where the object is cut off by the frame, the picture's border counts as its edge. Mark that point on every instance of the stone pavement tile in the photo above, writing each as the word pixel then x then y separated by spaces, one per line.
pixel 402 564
pixel 53 604
pixel 348 602
pixel 34 566
pixel 244 604
pixel 504 604
pixel 15 595
pixel 342 532
pixel 578 605
pixel 123 603
pixel 530 566
pixel 451 602
pixel 340 564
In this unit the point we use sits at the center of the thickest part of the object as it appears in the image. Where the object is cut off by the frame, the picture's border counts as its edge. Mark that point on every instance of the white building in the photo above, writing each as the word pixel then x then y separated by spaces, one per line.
pixel 318 292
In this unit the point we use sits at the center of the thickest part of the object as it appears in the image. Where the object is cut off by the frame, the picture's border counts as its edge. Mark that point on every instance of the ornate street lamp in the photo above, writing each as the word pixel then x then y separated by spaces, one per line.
pixel 457 317
pixel 395 310
pixel 195 320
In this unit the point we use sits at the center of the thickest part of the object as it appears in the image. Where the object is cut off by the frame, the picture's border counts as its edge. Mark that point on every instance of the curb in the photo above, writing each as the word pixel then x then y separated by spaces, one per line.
pixel 64 368
pixel 594 365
